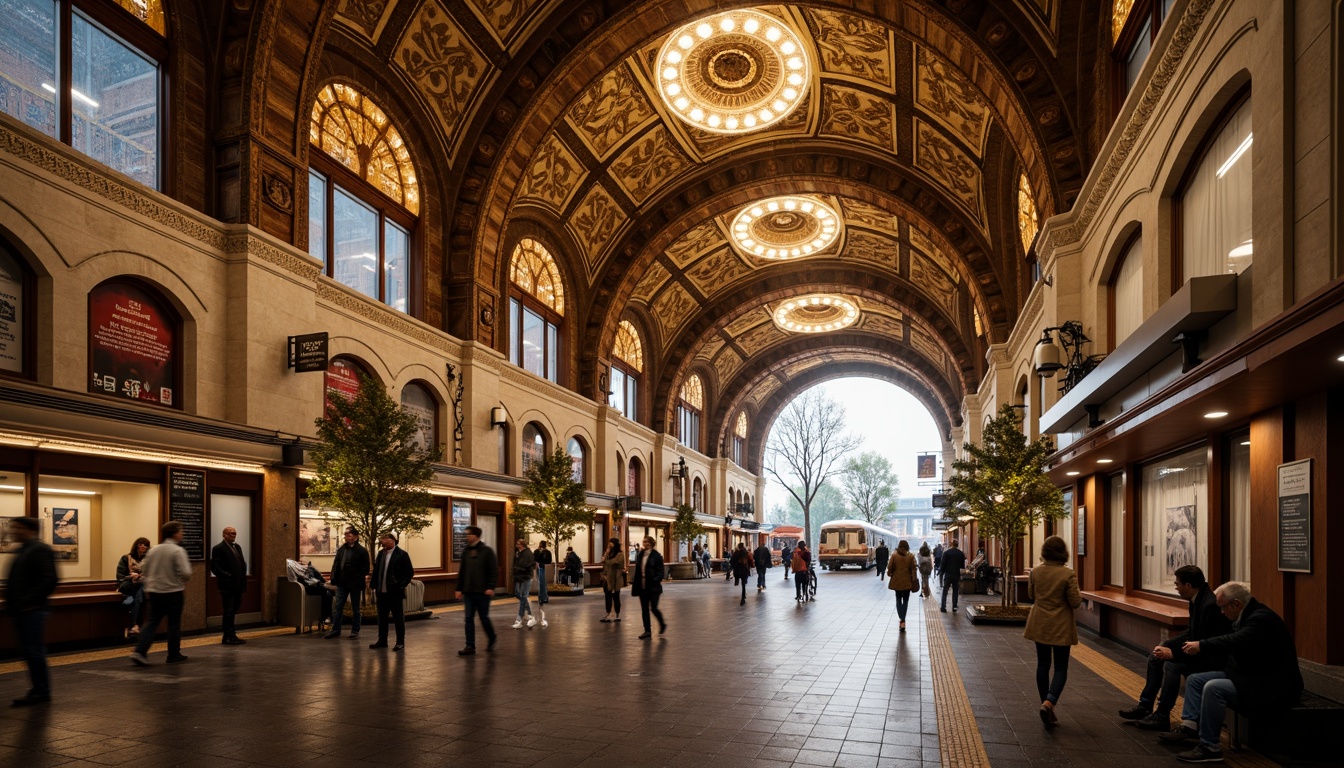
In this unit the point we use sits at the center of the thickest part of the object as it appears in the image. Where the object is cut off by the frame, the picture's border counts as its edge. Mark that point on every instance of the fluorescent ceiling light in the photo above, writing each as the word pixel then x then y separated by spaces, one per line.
pixel 1215 414
pixel 1245 249
pixel 49 88
pixel 1105 461
pixel 68 491
pixel 1072 473
pixel 1236 155
pixel 1245 442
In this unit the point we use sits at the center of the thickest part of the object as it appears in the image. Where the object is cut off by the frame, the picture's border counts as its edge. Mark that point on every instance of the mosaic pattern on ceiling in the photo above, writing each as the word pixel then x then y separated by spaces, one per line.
pixel 612 109
pixel 948 97
pixel 365 16
pixel 504 18
pixel 719 269
pixel 553 177
pixel 763 389
pixel 726 364
pixel 875 248
pixel 647 163
pixel 881 324
pixel 695 243
pixel 760 337
pixel 747 321
pixel 863 214
pixel 855 114
pixel 648 285
pixel 672 308
pixel 952 168
pixel 594 223
pixel 448 69
pixel 852 47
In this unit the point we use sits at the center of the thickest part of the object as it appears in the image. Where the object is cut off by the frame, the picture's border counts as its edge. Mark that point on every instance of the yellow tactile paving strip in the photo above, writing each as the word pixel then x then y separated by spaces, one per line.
pixel 959 742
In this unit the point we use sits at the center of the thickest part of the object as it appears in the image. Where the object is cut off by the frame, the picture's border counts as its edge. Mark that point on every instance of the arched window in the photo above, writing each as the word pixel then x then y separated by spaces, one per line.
pixel 134 343
pixel 536 309
pixel 627 365
pixel 1027 223
pixel 698 495
pixel 421 403
pixel 576 453
pixel 1134 25
pixel 1127 292
pixel 534 445
pixel 1215 202
pixel 343 378
pixel 740 438
pixel 16 322
pixel 363 196
pixel 634 478
pixel 690 403
pixel 94 83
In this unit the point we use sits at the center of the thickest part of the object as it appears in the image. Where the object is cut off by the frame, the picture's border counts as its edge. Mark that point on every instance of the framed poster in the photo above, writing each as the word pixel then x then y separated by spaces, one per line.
pixel 8 544
pixel 461 519
pixel 186 504
pixel 11 313
pixel 1080 522
pixel 926 465
pixel 341 380
pixel 1295 516
pixel 132 344
pixel 315 534
pixel 1182 545
pixel 65 534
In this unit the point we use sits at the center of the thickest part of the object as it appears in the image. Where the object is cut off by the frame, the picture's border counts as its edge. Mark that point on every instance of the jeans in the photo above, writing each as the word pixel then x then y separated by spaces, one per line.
pixel 648 603
pixel 163 605
pixel 232 601
pixel 1050 687
pixel 953 583
pixel 760 576
pixel 1207 697
pixel 541 585
pixel 1163 682
pixel 800 584
pixel 137 600
pixel 743 581
pixel 478 603
pixel 391 609
pixel 902 603
pixel 29 631
pixel 356 596
pixel 613 600
pixel 521 589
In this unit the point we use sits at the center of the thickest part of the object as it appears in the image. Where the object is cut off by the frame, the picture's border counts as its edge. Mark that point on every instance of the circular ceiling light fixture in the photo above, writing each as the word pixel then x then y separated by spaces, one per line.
pixel 734 72
pixel 786 227
pixel 816 313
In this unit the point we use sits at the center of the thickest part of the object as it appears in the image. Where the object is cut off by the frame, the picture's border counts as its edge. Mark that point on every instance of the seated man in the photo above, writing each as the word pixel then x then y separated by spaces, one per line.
pixel 1168 663
pixel 1261 676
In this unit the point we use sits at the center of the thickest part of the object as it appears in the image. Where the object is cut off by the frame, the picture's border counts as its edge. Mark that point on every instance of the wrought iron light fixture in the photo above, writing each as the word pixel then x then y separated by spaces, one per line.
pixel 679 469
pixel 1049 358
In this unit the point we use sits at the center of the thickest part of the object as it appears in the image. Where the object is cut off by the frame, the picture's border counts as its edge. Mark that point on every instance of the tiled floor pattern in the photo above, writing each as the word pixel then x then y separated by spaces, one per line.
pixel 958 738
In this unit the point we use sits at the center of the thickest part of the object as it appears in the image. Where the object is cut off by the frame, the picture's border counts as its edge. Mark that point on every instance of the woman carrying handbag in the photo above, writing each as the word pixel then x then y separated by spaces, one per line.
pixel 1053 588
pixel 614 568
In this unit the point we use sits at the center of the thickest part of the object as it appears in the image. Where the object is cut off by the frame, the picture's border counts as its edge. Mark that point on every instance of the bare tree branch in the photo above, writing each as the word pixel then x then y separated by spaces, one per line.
pixel 807 443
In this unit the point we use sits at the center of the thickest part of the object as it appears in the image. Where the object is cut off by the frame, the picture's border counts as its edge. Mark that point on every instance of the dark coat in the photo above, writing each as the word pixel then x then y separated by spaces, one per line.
pixel 648 573
pixel 1206 620
pixel 938 558
pixel 883 555
pixel 953 561
pixel 786 556
pixel 229 567
pixel 742 562
pixel 574 566
pixel 350 567
pixel 524 566
pixel 32 577
pixel 542 557
pixel 399 572
pixel 762 556
pixel 479 570
pixel 1261 660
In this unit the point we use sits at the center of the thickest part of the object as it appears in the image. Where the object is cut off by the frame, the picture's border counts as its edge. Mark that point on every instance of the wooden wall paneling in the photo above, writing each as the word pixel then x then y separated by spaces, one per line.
pixel 1268 448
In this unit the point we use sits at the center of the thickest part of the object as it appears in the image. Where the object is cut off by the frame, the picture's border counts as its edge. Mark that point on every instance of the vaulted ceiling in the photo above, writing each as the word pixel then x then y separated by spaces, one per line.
pixel 623 139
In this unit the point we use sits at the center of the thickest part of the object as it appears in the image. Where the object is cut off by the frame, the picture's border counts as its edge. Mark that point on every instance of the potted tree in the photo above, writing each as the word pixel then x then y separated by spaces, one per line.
pixel 1002 486
pixel 554 506
pixel 685 529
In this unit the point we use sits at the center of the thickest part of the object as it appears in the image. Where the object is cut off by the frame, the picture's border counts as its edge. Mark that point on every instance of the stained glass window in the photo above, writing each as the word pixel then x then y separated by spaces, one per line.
pixel 148 11
pixel 1027 224
pixel 357 134
pixel 741 430
pixel 534 270
pixel 1119 12
pixel 628 347
pixel 693 392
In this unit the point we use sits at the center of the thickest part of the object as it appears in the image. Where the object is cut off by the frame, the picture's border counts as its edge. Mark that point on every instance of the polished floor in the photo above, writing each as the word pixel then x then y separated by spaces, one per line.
pixel 771 683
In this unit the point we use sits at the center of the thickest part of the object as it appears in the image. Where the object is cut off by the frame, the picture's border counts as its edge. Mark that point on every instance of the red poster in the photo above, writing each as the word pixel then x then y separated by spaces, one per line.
pixel 342 379
pixel 132 344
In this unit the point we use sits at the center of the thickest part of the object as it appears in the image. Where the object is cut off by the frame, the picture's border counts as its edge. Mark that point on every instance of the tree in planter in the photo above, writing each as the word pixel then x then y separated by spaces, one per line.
pixel 368 467
pixel 685 528
pixel 1002 485
pixel 554 504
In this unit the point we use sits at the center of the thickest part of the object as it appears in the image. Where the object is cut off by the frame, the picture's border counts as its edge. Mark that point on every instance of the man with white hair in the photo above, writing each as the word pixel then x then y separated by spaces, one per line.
pixel 1261 675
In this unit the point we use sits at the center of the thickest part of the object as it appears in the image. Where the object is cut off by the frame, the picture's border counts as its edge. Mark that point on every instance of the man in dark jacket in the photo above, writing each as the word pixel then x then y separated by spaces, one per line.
pixel 31 580
pixel 392 573
pixel 953 561
pixel 648 586
pixel 230 569
pixel 883 554
pixel 573 566
pixel 1261 676
pixel 786 559
pixel 477 574
pixel 938 559
pixel 1168 663
pixel 543 557
pixel 761 557
pixel 349 569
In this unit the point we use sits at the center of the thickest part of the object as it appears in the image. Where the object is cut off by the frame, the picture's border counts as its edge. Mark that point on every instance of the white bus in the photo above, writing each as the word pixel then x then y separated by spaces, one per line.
pixel 851 542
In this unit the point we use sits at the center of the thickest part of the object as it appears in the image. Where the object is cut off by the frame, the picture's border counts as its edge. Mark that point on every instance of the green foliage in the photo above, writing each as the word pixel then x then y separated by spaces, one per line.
pixel 685 528
pixel 554 504
pixel 870 486
pixel 1002 485
pixel 368 467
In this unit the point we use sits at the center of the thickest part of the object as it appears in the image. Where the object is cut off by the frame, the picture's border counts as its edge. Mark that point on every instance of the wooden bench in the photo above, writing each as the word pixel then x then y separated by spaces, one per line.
pixel 1302 732
pixel 1153 610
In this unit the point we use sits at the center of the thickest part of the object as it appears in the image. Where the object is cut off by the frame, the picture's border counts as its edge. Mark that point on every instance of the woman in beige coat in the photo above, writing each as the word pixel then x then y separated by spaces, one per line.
pixel 614 567
pixel 1053 588
pixel 904 578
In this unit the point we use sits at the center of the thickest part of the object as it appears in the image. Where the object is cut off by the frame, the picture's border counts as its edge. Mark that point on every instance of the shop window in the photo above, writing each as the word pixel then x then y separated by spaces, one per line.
pixel 627 366
pixel 363 196
pixel 690 404
pixel 231 510
pixel 134 343
pixel 426 547
pixel 1215 203
pixel 576 453
pixel 1173 517
pixel 420 403
pixel 582 544
pixel 1134 26
pixel 534 445
pixel 461 519
pixel 15 313
pixel 536 309
pixel 1238 452
pixel 1127 292
pixel 740 439
pixel 343 378
pixel 1115 530
pixel 95 83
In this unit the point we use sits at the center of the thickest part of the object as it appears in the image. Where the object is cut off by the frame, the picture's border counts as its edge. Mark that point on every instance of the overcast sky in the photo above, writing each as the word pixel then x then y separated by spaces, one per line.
pixel 890 421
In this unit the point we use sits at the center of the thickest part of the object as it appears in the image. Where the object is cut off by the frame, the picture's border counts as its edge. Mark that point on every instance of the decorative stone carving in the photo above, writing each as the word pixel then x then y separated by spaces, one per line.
pixel 671 309
pixel 278 192
pixel 949 97
pixel 855 114
pixel 948 165
pixel 553 176
pixel 594 223
pixel 852 46
pixel 439 57
pixel 648 285
pixel 691 245
pixel 647 163
pixel 716 271
pixel 609 111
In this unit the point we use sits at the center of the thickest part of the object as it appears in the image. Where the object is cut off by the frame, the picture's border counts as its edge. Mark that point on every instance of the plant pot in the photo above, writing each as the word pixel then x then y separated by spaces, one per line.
pixel 682 570
pixel 994 614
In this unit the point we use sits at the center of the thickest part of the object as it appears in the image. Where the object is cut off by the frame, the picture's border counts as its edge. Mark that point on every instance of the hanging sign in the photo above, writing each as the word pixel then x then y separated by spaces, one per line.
pixel 927 465
pixel 1295 516
pixel 308 353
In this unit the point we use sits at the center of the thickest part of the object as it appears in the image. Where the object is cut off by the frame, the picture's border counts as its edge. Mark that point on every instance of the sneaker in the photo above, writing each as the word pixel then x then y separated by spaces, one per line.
pixel 178 659
pixel 518 624
pixel 531 621
pixel 1137 712
pixel 140 659
pixel 1180 733
pixel 1202 754
pixel 1157 721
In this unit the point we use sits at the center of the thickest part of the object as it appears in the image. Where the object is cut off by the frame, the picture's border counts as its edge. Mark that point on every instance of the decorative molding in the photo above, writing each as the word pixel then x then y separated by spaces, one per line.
pixel 333 293
pixel 248 242
pixel 537 385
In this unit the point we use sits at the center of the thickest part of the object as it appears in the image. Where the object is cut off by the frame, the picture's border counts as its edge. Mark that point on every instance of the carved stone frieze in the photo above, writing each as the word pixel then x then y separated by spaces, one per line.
pixel 852 46
pixel 947 96
pixel 649 284
pixel 717 271
pixel 691 245
pixel 643 167
pixel 554 175
pixel 671 309
pixel 380 314
pixel 610 110
pixel 858 115
pixel 946 164
pixel 594 224
pixel 439 57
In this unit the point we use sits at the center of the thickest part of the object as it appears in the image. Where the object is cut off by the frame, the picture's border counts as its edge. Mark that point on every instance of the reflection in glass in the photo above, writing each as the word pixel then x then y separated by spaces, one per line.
pixel 618 389
pixel 533 354
pixel 396 266
pixel 355 252
pixel 114 103
pixel 1174 517
pixel 28 62
pixel 317 215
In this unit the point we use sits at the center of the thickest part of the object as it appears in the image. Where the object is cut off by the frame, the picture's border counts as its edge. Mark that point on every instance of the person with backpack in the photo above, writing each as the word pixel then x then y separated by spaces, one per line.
pixel 801 563
pixel 741 569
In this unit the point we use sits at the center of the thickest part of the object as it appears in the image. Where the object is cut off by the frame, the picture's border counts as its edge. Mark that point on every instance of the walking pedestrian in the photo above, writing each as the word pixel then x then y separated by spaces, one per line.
pixel 31 580
pixel 230 569
pixel 925 568
pixel 1053 589
pixel 952 563
pixel 129 583
pixel 542 557
pixel 476 576
pixel 704 558
pixel 761 557
pixel 648 586
pixel 938 559
pixel 800 565
pixel 786 559
pixel 741 569
pixel 392 573
pixel 523 568
pixel 883 555
pixel 727 564
pixel 164 572
pixel 904 576
pixel 349 570
pixel 615 567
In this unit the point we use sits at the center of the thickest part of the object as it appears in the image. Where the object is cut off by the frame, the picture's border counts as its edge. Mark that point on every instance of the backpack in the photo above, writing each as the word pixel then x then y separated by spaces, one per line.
pixel 799 564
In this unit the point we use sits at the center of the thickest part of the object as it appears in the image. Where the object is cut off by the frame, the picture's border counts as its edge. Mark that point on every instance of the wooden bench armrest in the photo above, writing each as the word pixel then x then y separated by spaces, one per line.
pixel 1155 610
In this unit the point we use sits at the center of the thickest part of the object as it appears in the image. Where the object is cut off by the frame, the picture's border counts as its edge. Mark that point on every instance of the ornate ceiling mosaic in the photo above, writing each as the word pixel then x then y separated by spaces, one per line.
pixel 816 313
pixel 785 227
pixel 734 72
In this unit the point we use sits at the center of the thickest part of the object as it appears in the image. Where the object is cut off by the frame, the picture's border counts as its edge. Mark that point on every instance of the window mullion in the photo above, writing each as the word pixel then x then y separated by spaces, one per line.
pixel 382 257
pixel 64 75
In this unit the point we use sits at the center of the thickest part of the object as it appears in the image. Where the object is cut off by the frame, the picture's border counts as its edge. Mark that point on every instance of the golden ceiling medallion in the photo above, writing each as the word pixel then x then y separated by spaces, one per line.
pixel 734 72
pixel 816 313
pixel 785 227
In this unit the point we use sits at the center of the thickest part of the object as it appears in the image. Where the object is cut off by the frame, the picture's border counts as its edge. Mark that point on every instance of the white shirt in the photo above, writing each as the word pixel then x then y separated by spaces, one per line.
pixel 165 568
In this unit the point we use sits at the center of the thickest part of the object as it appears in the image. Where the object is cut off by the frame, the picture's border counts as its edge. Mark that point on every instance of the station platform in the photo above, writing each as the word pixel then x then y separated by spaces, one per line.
pixel 772 683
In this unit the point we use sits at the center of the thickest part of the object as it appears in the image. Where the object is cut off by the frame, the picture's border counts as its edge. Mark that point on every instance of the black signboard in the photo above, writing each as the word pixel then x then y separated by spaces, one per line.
pixel 939 500
pixel 633 503
pixel 186 504
pixel 308 352
pixel 1295 516
pixel 461 519
pixel 750 525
